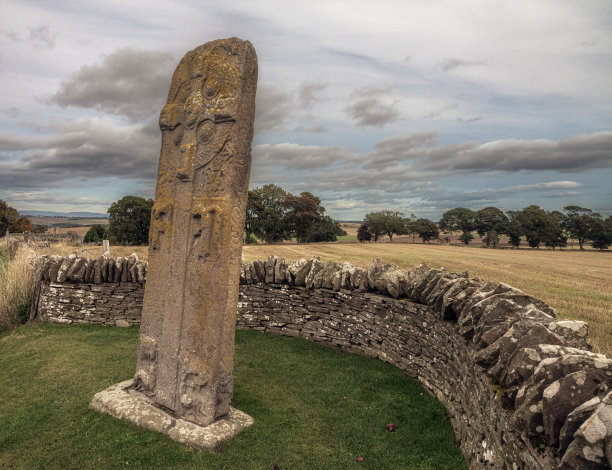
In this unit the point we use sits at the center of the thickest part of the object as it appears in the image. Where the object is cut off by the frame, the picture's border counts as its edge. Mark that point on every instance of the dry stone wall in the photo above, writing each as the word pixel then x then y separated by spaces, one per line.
pixel 105 290
pixel 523 389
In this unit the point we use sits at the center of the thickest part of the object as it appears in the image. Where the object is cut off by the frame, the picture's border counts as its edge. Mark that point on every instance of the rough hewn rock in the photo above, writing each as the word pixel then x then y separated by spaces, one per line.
pixel 592 444
pixel 562 396
pixel 575 333
pixel 186 346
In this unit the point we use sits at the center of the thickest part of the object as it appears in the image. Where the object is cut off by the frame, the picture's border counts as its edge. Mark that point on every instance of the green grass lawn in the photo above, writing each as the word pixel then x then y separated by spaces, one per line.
pixel 295 390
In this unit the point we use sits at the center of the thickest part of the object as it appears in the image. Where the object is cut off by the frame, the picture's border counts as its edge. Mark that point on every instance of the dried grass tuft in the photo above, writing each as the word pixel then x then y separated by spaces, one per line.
pixel 16 287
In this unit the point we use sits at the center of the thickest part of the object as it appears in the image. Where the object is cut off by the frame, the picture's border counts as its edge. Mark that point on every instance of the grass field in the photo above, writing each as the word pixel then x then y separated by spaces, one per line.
pixel 576 283
pixel 314 408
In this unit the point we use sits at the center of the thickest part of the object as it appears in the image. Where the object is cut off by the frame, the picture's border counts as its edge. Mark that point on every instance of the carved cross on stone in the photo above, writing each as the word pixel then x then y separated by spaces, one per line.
pixel 186 345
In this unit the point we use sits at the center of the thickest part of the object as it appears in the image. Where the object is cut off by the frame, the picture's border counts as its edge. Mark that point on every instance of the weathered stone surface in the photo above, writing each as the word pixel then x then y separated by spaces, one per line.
pixel 62 272
pixel 269 277
pixel 315 267
pixel 280 269
pixel 137 408
pixel 375 269
pixel 592 444
pixel 562 396
pixel 260 271
pixel 186 346
pixel 574 420
pixel 527 354
pixel 528 415
pixel 575 333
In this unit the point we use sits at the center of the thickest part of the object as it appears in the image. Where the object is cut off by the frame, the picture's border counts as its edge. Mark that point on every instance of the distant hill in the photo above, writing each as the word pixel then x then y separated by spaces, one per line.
pixel 88 215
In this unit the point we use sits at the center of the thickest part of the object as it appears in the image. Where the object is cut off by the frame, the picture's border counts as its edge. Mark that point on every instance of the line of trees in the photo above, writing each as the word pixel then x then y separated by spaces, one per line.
pixel 274 215
pixel 536 225
pixel 377 224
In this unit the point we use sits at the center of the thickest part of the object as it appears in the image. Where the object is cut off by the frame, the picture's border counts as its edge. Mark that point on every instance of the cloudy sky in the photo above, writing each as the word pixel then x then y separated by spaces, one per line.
pixel 411 105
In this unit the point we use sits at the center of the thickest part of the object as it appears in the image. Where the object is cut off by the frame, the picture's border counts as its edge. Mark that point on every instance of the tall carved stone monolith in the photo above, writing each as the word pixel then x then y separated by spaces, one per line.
pixel 186 344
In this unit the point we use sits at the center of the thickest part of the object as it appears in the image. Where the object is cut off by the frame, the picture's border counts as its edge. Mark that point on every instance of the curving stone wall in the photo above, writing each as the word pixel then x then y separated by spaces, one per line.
pixel 522 389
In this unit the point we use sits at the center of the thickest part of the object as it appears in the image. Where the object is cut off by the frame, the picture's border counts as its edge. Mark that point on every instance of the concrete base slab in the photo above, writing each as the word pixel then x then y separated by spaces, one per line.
pixel 124 403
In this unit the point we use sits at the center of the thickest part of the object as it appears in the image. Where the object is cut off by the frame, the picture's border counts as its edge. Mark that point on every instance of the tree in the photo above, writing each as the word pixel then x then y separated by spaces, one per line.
pixel 385 222
pixel 395 223
pixel 514 229
pixel 363 233
pixel 577 223
pixel 409 228
pixel 462 219
pixel 490 222
pixel 554 236
pixel 95 234
pixel 426 229
pixel 129 220
pixel 11 220
pixel 254 210
pixel 270 223
pixel 601 232
pixel 303 213
pixel 376 223
pixel 538 225
pixel 491 238
pixel 22 224
pixel 326 229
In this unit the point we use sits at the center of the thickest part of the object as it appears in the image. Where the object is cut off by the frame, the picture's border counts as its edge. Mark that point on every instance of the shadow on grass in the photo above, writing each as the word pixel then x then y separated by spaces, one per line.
pixel 295 390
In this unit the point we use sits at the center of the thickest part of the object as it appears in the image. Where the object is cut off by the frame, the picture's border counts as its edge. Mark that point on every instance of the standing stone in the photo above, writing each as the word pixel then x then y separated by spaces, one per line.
pixel 186 343
pixel 186 347
pixel 105 246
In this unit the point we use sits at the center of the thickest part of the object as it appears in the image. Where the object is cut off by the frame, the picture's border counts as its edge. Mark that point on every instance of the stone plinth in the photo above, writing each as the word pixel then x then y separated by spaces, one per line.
pixel 123 402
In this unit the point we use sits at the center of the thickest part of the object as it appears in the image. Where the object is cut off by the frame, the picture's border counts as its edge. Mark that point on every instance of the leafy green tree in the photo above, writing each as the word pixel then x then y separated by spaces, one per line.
pixel 326 229
pixel 601 233
pixel 129 220
pixel 577 223
pixel 409 228
pixel 539 226
pixel 270 223
pixel 95 234
pixel 376 222
pixel 514 229
pixel 385 222
pixel 363 233
pixel 8 217
pixel 426 229
pixel 462 219
pixel 489 220
pixel 555 237
pixel 395 223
